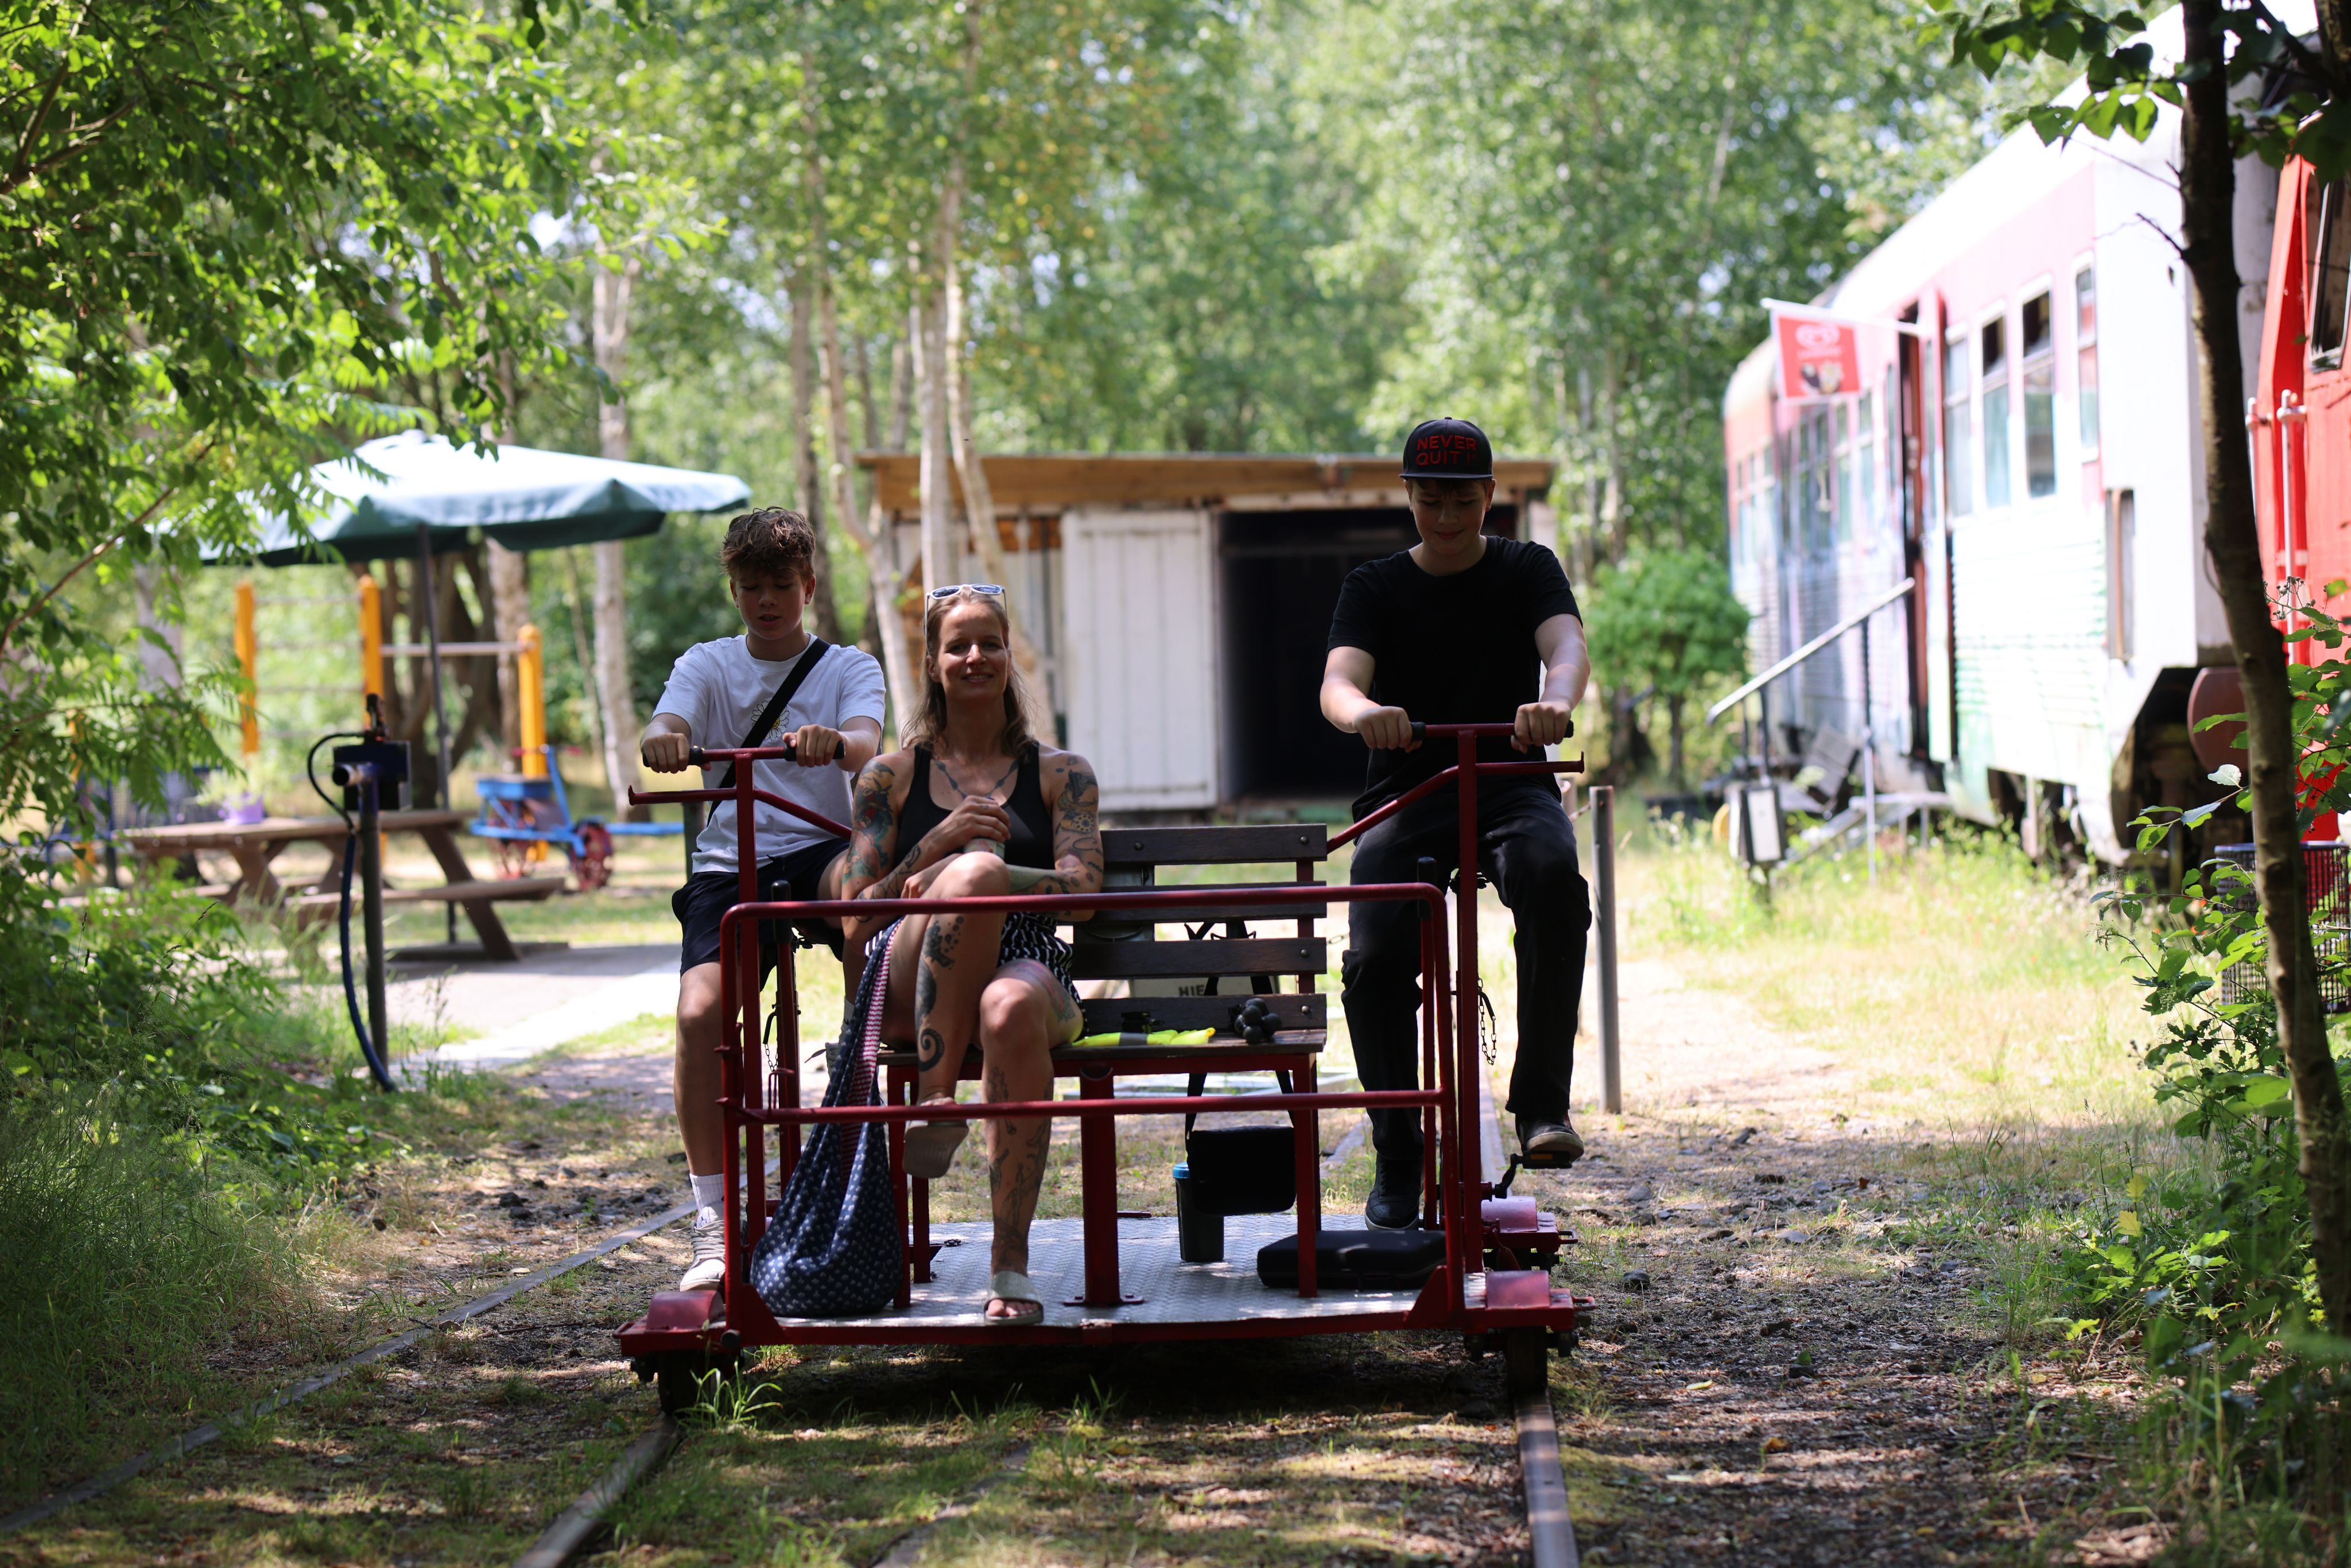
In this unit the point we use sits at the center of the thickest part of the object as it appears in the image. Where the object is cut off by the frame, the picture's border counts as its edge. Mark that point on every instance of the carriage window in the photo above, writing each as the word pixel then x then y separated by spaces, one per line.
pixel 2040 398
pixel 1848 495
pixel 1865 461
pixel 1958 447
pixel 2085 339
pixel 2330 285
pixel 1995 413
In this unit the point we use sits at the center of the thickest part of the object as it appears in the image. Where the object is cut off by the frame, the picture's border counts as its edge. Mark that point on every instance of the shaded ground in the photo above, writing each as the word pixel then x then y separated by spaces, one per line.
pixel 1822 1341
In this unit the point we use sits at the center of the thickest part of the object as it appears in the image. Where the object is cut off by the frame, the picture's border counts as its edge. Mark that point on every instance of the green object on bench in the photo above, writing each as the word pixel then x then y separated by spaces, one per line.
pixel 1156 1037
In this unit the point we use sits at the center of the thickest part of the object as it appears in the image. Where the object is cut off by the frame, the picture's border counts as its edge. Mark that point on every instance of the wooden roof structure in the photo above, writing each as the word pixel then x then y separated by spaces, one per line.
pixel 1052 482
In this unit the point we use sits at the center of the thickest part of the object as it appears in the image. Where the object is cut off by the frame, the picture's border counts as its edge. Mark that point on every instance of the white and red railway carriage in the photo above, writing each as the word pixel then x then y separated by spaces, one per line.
pixel 2032 460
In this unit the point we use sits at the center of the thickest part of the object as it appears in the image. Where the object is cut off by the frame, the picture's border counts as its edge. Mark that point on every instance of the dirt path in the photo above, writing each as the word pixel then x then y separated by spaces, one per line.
pixel 1795 1359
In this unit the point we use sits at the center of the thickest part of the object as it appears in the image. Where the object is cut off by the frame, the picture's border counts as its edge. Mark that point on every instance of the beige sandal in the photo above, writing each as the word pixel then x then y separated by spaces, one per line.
pixel 1013 1289
pixel 931 1145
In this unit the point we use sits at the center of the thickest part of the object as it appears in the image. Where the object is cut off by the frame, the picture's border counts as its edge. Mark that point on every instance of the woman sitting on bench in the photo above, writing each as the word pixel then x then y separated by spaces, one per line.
pixel 972 807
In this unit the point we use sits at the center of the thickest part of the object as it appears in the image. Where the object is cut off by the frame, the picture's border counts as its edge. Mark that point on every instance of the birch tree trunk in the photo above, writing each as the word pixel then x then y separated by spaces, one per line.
pixel 2208 180
pixel 804 465
pixel 609 330
pixel 885 629
pixel 902 393
pixel 978 498
pixel 866 393
pixel 942 560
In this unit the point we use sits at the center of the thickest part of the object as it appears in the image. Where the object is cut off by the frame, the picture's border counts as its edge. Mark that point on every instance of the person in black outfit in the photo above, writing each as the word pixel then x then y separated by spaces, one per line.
pixel 1460 629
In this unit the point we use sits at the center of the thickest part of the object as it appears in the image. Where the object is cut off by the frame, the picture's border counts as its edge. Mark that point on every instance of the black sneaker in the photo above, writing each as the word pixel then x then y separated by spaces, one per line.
pixel 1394 1203
pixel 1549 1143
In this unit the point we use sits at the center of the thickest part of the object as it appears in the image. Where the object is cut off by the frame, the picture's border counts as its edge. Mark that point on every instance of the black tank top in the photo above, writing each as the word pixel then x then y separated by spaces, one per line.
pixel 1032 830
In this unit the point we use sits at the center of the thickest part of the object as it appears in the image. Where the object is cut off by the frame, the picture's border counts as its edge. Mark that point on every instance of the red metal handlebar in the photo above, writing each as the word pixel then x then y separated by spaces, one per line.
pixel 1428 787
pixel 1483 731
pixel 664 797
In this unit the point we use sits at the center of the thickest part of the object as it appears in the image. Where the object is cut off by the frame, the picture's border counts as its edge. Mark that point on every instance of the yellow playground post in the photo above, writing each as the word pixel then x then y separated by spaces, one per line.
pixel 530 685
pixel 248 660
pixel 371 639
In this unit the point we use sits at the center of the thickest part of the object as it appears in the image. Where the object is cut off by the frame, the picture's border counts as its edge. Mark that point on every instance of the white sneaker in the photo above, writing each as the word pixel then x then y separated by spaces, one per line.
pixel 708 1271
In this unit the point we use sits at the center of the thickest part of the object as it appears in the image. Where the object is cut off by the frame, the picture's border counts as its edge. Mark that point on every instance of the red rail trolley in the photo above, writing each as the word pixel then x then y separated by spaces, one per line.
pixel 1109 1276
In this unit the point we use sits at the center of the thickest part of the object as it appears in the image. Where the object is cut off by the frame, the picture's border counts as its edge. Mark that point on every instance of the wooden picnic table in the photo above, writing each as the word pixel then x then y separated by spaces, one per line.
pixel 254 845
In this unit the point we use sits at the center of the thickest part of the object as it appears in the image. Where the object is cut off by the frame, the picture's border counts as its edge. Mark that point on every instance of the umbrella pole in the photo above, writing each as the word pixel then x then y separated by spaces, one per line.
pixel 433 657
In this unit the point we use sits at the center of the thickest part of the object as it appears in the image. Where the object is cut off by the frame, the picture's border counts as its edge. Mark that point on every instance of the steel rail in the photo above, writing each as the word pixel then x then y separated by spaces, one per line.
pixel 575 1525
pixel 1551 1532
pixel 189 1441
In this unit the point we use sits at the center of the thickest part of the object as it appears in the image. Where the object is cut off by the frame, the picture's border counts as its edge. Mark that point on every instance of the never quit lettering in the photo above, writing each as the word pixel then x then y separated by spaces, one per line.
pixel 1436 448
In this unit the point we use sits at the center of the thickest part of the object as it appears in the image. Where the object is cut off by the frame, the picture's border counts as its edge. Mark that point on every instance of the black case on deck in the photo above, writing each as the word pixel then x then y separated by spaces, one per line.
pixel 1356 1259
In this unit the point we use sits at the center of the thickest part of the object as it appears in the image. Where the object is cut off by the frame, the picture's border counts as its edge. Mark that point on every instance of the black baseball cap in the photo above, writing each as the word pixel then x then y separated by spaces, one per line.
pixel 1447 449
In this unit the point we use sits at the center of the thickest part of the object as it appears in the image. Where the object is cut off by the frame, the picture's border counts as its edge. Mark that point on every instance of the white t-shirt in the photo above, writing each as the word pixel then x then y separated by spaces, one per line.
pixel 719 688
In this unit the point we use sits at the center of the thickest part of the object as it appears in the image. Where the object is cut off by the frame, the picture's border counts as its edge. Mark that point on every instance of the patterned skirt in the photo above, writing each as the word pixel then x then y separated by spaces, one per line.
pixel 1026 935
pixel 1032 936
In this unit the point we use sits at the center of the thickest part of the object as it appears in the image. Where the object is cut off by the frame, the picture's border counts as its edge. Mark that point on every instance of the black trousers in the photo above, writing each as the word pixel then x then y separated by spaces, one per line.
pixel 1527 846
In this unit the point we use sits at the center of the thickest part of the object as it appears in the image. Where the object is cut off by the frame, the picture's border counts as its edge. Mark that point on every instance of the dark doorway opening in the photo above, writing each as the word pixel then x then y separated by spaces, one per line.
pixel 1280 575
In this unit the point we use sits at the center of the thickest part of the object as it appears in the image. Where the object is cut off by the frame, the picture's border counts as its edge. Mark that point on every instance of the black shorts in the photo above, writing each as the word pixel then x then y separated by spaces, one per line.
pixel 708 895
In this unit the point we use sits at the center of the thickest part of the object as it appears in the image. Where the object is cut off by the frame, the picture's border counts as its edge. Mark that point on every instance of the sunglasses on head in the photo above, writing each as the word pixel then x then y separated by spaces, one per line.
pixel 952 589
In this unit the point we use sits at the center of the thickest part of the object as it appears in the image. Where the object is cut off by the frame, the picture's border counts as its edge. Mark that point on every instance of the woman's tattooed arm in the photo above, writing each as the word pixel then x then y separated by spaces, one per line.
pixel 872 839
pixel 1077 835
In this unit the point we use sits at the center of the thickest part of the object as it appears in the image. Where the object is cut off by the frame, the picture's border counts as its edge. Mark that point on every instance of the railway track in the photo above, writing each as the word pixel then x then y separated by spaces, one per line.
pixel 1551 1532
pixel 1543 1485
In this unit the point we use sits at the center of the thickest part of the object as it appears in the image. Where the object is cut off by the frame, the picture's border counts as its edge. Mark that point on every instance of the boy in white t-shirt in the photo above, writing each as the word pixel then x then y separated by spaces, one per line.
pixel 716 691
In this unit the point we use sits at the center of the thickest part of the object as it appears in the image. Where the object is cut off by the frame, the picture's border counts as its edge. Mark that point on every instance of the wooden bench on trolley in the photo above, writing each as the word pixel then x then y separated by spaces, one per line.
pixel 1221 964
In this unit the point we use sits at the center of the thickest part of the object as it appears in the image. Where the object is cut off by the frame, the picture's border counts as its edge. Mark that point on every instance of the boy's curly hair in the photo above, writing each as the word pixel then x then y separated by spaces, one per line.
pixel 774 542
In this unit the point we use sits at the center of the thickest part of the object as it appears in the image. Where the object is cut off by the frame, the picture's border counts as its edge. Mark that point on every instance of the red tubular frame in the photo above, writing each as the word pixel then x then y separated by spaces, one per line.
pixel 1455 1183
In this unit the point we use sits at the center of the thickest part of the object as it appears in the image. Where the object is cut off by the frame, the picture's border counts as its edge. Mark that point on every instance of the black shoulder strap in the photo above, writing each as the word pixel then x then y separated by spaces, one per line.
pixel 810 657
pixel 1199 1082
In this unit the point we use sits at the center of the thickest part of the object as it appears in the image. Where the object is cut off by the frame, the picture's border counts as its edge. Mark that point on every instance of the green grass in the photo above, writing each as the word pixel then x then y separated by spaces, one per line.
pixel 122 1270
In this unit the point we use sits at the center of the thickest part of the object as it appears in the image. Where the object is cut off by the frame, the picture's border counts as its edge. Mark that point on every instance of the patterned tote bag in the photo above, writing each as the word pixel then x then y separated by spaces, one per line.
pixel 833 1250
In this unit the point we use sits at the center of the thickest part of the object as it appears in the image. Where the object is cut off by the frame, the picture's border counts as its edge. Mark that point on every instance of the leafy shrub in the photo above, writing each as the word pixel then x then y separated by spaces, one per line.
pixel 123 1268
pixel 157 1001
pixel 2211 1263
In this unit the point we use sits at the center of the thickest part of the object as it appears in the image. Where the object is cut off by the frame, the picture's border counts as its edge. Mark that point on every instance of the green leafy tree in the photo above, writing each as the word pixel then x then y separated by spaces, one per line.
pixel 1590 198
pixel 2226 53
pixel 1668 621
pixel 218 225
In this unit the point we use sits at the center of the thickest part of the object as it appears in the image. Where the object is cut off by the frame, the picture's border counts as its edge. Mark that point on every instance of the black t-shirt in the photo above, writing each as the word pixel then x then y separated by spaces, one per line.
pixel 1450 650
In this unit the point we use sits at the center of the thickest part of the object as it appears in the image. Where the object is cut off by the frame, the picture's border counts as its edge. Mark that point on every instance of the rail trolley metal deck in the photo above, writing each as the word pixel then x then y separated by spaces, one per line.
pixel 1109 1276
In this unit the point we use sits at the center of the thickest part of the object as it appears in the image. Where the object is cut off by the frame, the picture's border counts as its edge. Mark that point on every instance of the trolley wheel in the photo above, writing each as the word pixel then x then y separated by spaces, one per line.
pixel 591 856
pixel 514 858
pixel 1526 1359
pixel 682 1378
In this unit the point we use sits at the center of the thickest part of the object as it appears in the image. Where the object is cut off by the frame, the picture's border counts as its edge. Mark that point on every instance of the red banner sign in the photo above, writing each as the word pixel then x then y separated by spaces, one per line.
pixel 1817 358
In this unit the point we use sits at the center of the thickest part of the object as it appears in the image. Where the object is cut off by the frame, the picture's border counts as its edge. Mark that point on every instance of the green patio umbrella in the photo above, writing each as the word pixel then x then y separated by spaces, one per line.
pixel 417 491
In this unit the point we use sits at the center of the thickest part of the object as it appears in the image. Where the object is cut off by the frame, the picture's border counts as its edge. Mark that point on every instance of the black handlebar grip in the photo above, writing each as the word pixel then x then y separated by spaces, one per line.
pixel 697 757
pixel 1419 732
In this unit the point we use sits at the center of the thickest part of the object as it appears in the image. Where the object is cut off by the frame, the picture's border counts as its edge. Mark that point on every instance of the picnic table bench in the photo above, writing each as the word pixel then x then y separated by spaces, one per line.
pixel 254 845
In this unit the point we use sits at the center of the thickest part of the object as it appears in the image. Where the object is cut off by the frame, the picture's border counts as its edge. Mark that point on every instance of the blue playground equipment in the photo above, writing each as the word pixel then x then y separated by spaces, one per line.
pixel 523 814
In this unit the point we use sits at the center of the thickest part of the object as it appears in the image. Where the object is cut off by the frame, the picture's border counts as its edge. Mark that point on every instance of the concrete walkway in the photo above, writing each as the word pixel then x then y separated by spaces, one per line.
pixel 514 1011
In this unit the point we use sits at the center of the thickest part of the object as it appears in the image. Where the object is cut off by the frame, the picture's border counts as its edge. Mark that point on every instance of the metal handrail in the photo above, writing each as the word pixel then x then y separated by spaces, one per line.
pixel 1811 648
